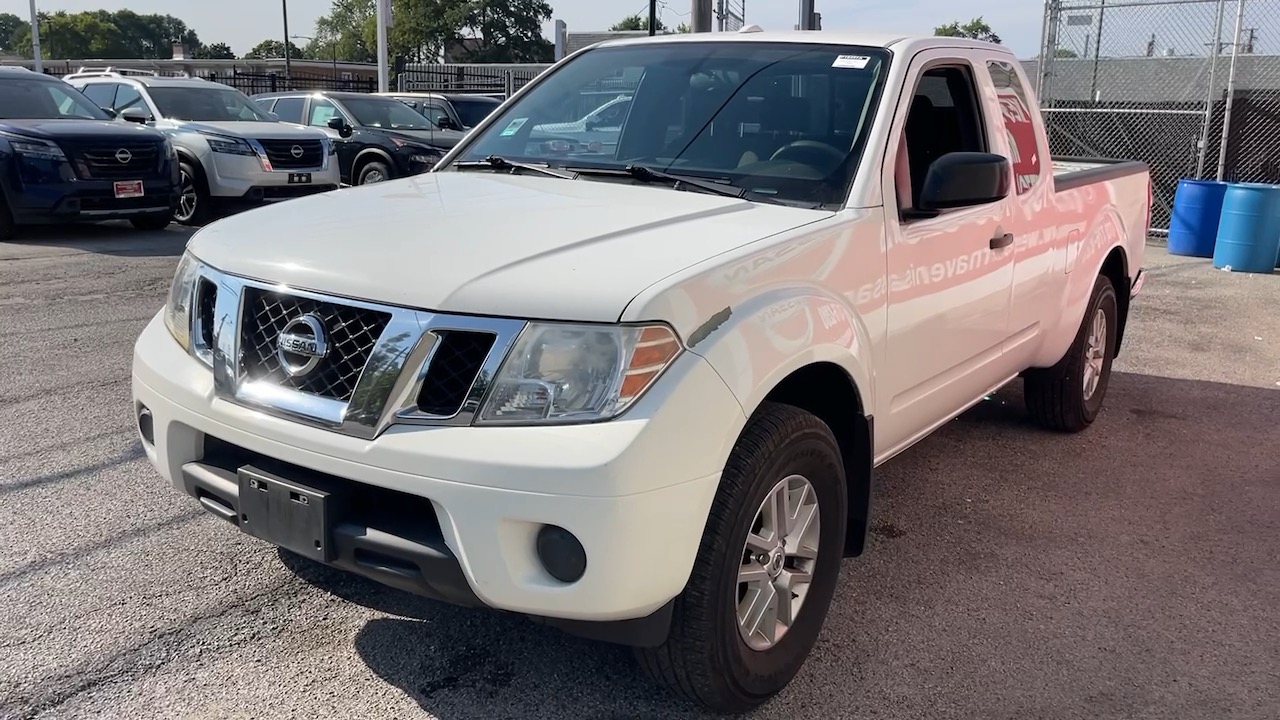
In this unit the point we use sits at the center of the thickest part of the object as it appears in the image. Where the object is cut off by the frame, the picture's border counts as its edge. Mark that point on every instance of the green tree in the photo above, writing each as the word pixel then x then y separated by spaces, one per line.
pixel 9 26
pixel 635 23
pixel 107 35
pixel 977 29
pixel 216 51
pixel 509 31
pixel 272 49
pixel 1065 54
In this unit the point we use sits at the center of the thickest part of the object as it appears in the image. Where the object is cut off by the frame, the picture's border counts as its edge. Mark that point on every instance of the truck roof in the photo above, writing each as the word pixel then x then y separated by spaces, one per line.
pixel 893 41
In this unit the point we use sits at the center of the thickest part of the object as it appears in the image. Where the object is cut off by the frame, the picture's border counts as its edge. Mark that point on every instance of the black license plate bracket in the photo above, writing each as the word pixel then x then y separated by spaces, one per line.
pixel 289 514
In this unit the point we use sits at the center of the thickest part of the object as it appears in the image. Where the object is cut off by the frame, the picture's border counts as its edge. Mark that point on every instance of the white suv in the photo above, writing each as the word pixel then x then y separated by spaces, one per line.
pixel 232 152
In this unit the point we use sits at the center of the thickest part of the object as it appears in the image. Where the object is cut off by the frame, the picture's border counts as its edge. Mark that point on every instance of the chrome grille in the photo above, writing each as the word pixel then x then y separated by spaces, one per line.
pixel 352 334
pixel 280 152
pixel 455 367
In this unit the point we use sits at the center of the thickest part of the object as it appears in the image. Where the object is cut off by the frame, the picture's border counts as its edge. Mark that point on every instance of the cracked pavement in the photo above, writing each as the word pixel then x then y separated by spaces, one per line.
pixel 1131 571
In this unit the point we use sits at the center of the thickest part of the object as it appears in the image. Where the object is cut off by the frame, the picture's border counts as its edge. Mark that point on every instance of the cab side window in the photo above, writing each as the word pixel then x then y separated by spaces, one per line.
pixel 945 117
pixel 127 96
pixel 102 94
pixel 289 109
pixel 1018 127
pixel 321 111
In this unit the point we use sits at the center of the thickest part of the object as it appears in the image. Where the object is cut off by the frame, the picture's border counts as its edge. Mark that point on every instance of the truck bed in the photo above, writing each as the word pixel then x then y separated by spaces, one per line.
pixel 1072 172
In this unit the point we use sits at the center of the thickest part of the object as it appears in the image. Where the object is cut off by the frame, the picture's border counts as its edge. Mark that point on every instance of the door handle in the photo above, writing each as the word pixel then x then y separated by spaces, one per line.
pixel 1001 241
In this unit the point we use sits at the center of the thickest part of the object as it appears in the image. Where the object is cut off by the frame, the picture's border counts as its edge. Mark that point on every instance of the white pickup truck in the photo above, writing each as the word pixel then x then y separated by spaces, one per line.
pixel 638 389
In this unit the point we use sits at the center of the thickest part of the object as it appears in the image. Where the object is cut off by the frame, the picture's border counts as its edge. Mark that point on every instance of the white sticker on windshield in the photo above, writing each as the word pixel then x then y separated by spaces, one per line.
pixel 514 127
pixel 857 62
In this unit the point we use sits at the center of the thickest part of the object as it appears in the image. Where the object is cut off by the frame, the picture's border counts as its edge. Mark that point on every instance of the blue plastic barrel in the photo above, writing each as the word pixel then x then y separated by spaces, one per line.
pixel 1249 232
pixel 1193 225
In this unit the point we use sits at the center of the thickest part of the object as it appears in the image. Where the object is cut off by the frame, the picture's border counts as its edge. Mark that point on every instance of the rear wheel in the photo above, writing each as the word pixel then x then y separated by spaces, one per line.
pixel 766 569
pixel 1068 396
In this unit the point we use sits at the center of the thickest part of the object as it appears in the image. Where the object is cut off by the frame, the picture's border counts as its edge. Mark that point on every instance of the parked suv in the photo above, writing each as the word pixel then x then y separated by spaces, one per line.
pixel 63 159
pixel 231 151
pixel 451 111
pixel 378 138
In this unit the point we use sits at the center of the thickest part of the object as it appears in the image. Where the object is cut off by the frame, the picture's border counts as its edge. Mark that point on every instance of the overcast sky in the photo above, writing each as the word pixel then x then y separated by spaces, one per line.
pixel 243 23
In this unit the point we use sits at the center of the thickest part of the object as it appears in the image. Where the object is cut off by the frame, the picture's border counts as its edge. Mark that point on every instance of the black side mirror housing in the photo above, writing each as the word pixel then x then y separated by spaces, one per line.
pixel 134 115
pixel 447 123
pixel 337 123
pixel 965 179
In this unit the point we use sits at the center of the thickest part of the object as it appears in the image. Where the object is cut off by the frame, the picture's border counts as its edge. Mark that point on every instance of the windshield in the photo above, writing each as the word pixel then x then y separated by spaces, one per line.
pixel 45 100
pixel 472 110
pixel 206 104
pixel 385 113
pixel 786 121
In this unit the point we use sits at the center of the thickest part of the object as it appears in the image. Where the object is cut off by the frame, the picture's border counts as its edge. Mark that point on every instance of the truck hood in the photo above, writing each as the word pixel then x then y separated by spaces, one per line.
pixel 59 129
pixel 255 129
pixel 490 244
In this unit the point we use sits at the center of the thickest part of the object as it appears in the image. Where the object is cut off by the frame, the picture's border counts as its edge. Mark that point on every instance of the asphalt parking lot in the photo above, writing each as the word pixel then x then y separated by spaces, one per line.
pixel 1132 571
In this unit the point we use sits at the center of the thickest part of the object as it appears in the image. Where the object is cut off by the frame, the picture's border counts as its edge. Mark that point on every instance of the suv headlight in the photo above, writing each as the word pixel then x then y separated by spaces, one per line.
pixel 228 145
pixel 182 291
pixel 560 373
pixel 37 149
pixel 170 151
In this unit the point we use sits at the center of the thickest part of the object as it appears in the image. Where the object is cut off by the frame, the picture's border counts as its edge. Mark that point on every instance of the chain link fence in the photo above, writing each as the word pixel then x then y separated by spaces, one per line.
pixel 1190 86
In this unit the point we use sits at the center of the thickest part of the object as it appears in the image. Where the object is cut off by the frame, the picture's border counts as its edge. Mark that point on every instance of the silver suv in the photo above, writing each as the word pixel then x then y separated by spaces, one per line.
pixel 232 152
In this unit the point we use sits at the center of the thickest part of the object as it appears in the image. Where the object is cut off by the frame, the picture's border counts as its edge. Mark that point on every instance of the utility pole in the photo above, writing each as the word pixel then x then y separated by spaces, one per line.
pixel 288 69
pixel 701 16
pixel 653 17
pixel 35 38
pixel 383 19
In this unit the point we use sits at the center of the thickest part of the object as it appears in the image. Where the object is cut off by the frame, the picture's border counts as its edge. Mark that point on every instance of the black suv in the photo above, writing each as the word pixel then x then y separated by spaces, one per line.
pixel 64 159
pixel 378 138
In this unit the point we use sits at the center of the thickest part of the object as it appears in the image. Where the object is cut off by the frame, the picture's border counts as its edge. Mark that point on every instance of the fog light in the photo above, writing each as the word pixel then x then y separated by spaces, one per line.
pixel 146 427
pixel 561 554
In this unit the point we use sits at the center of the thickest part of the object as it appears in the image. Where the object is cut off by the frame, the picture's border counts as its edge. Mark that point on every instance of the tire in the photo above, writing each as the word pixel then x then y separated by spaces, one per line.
pixel 8 228
pixel 195 205
pixel 372 172
pixel 151 223
pixel 1059 398
pixel 706 658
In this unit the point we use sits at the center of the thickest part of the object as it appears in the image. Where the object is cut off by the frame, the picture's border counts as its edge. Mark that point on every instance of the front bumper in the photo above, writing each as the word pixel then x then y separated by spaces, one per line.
pixel 453 513
pixel 86 201
pixel 242 177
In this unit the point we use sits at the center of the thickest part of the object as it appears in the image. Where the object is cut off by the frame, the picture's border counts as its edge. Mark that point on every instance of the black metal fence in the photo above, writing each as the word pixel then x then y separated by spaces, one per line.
pixel 484 79
pixel 248 82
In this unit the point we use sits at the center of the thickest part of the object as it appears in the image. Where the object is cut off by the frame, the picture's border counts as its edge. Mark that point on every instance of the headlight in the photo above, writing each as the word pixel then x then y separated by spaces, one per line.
pixel 169 150
pixel 228 145
pixel 38 150
pixel 333 147
pixel 177 311
pixel 562 373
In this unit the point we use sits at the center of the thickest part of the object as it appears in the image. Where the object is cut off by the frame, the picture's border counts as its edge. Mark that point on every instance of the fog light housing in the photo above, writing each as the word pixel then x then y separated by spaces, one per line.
pixel 146 425
pixel 561 554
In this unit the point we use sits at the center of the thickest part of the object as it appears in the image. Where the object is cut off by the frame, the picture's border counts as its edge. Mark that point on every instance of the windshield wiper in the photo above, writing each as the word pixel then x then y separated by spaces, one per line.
pixel 497 162
pixel 646 174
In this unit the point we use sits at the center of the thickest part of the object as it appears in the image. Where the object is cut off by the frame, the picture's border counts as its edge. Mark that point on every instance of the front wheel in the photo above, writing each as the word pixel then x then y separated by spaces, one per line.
pixel 766 569
pixel 194 202
pixel 1068 396
pixel 373 172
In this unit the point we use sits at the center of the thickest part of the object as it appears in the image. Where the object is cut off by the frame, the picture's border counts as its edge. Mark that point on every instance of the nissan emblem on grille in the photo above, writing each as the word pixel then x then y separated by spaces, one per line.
pixel 124 156
pixel 296 151
pixel 302 344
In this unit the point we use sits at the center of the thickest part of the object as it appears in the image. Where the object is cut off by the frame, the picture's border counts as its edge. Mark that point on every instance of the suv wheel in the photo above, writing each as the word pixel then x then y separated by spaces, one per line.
pixel 193 204
pixel 766 568
pixel 373 172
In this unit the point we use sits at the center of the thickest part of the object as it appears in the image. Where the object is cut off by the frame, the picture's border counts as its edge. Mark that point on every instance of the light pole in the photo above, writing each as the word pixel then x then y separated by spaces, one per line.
pixel 35 39
pixel 288 69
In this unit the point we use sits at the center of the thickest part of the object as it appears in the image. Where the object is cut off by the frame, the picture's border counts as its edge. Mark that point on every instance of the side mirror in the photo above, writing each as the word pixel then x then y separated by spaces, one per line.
pixel 964 179
pixel 110 113
pixel 337 123
pixel 273 116
pixel 134 115
pixel 447 123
